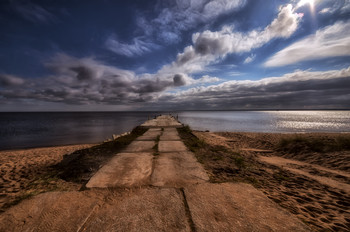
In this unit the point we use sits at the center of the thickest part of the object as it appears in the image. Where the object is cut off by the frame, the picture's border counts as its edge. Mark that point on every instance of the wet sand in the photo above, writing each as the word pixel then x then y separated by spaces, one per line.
pixel 315 186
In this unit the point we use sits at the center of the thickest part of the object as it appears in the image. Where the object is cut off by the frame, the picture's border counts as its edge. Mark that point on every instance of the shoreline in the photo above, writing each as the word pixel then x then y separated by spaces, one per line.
pixel 114 136
pixel 278 173
pixel 28 172
pixel 49 146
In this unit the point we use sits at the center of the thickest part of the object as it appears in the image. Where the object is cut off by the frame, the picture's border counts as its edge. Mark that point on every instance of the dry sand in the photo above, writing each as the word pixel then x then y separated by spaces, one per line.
pixel 183 200
pixel 27 172
pixel 315 186
pixel 312 185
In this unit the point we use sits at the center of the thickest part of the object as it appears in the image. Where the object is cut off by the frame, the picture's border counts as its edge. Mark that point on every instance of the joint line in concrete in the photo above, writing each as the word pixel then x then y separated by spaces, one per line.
pixel 188 211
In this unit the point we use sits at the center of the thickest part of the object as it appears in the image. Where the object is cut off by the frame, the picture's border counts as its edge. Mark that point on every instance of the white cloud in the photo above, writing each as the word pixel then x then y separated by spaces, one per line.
pixel 346 7
pixel 334 6
pixel 330 41
pixel 284 25
pixel 234 74
pixel 173 18
pixel 249 59
pixel 139 46
pixel 292 90
pixel 215 8
pixel 209 47
pixel 171 21
pixel 187 14
pixel 206 79
pixel 325 10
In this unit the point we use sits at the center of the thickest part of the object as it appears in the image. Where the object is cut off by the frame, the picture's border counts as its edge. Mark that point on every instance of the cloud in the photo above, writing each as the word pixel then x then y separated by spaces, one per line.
pixel 226 41
pixel 284 25
pixel 179 80
pixel 210 47
pixel 207 79
pixel 33 12
pixel 183 15
pixel 138 47
pixel 325 10
pixel 329 89
pixel 87 81
pixel 249 59
pixel 9 80
pixel 330 41
pixel 172 18
pixel 346 7
pixel 334 7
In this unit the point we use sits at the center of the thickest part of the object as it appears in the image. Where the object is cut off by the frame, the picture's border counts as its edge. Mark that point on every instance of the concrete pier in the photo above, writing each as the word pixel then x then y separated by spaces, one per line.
pixel 155 184
pixel 173 166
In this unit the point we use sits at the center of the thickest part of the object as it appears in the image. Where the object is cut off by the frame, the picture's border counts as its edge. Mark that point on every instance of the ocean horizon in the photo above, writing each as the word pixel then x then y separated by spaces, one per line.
pixel 20 130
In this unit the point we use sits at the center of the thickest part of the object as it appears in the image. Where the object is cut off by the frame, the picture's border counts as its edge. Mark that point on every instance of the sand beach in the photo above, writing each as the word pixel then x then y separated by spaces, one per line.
pixel 306 174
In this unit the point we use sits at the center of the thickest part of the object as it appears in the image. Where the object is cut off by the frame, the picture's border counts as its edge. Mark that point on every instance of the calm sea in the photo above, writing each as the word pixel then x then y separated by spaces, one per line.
pixel 268 121
pixel 24 130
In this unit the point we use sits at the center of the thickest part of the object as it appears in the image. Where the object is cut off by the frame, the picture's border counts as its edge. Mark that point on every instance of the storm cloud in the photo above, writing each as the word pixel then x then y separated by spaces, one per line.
pixel 300 89
pixel 9 80
pixel 86 81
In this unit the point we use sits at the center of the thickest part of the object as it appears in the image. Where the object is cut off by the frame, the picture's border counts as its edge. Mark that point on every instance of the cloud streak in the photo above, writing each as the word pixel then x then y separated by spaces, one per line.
pixel 9 80
pixel 331 41
pixel 183 15
pixel 138 47
pixel 33 12
pixel 300 89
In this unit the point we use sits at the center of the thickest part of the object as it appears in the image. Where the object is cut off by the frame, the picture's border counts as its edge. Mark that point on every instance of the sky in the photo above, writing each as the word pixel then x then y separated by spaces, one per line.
pixel 110 55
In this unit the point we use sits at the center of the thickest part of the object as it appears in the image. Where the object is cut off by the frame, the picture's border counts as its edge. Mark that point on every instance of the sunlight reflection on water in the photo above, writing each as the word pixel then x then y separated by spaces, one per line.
pixel 268 121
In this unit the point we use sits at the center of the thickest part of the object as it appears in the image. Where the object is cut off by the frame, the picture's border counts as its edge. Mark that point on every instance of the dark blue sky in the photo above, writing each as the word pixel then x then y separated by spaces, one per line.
pixel 184 54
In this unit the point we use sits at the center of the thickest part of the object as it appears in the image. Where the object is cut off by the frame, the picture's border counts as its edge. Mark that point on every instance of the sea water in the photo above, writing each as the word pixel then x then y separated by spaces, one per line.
pixel 25 130
pixel 268 121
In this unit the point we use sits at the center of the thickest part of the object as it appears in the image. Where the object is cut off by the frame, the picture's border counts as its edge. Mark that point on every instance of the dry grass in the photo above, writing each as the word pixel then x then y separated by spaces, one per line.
pixel 222 164
pixel 301 143
pixel 81 165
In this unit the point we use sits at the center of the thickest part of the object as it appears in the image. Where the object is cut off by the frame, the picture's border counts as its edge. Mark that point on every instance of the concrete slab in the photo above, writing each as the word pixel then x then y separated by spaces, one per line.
pixel 124 170
pixel 171 146
pixel 169 137
pixel 177 169
pixel 237 207
pixel 140 146
pixel 54 211
pixel 143 210
pixel 162 121
pixel 149 135
pixel 169 134
pixel 148 209
pixel 170 130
